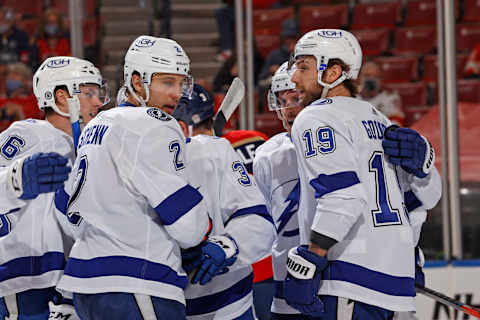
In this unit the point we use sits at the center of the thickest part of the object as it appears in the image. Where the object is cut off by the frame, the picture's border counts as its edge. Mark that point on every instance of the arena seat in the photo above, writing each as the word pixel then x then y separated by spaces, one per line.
pixel 471 11
pixel 413 94
pixel 269 21
pixel 416 40
pixel 423 13
pixel 266 43
pixel 398 69
pixel 430 67
pixel 373 42
pixel 317 17
pixel 376 15
pixel 268 123
pixel 468 36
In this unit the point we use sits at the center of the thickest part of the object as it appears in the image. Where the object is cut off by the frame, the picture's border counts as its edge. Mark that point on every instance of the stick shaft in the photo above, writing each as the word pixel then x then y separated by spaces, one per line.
pixel 440 297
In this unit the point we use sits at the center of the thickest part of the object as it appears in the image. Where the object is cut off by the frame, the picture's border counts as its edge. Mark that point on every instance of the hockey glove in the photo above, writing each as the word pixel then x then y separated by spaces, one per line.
pixel 419 262
pixel 191 258
pixel 39 173
pixel 218 253
pixel 408 149
pixel 303 281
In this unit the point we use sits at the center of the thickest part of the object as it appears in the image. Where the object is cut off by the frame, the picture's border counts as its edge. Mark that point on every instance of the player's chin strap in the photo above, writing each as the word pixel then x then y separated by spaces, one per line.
pixel 328 86
pixel 75 118
pixel 143 103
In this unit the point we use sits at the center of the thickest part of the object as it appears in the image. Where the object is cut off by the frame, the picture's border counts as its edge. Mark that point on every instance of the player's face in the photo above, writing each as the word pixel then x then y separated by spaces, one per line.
pixel 289 107
pixel 166 91
pixel 90 101
pixel 305 78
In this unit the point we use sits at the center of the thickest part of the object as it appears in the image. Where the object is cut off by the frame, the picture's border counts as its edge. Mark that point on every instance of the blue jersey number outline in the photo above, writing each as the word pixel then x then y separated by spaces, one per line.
pixel 175 147
pixel 80 178
pixel 5 225
pixel 325 140
pixel 11 147
pixel 244 179
pixel 384 214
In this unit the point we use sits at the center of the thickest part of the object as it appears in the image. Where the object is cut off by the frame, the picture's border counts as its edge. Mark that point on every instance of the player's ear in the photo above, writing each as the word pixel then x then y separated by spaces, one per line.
pixel 332 73
pixel 137 84
pixel 61 96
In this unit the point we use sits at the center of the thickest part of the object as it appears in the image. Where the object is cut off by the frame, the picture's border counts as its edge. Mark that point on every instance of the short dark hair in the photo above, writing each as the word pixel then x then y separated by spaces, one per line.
pixel 205 124
pixel 350 84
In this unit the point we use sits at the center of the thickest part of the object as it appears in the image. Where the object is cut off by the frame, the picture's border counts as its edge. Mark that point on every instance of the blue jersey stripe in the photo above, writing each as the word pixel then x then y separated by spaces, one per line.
pixel 260 210
pixel 411 201
pixel 32 265
pixel 373 280
pixel 177 204
pixel 61 201
pixel 326 183
pixel 278 289
pixel 126 104
pixel 220 299
pixel 126 267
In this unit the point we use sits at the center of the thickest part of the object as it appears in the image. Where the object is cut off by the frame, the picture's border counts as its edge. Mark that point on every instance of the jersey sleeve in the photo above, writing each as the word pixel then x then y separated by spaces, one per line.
pixel 18 141
pixel 158 176
pixel 243 208
pixel 326 155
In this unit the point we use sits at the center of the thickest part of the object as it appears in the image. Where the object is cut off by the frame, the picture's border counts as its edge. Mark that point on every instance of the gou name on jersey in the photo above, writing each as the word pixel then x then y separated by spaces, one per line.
pixel 374 129
pixel 93 135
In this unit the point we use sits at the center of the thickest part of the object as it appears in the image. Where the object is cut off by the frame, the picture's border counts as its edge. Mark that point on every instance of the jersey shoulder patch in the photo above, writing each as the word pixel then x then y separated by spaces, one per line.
pixel 158 114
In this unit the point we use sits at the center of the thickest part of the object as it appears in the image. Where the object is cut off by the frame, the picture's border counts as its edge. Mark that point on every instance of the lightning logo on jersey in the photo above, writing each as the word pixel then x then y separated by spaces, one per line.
pixel 289 211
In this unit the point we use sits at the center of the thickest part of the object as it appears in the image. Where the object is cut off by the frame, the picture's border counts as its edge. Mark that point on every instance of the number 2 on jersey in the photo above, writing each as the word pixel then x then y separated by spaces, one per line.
pixel 177 161
pixel 384 214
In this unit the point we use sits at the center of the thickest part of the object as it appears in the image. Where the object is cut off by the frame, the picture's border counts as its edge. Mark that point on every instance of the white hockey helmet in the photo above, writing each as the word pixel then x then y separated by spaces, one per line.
pixel 280 82
pixel 148 55
pixel 327 44
pixel 70 72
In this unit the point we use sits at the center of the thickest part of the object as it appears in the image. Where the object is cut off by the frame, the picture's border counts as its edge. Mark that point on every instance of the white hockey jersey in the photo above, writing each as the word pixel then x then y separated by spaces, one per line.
pixel 130 189
pixel 236 207
pixel 349 192
pixel 31 243
pixel 276 173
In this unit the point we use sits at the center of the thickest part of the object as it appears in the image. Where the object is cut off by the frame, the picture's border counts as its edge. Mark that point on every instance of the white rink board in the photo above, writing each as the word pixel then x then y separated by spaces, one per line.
pixel 459 282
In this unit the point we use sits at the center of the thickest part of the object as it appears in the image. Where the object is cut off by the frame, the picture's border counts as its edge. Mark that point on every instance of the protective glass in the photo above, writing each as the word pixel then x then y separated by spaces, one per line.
pixel 101 92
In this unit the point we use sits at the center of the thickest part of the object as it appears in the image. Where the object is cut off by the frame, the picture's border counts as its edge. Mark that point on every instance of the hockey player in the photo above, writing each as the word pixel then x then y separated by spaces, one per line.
pixel 275 171
pixel 237 209
pixel 245 143
pixel 132 193
pixel 32 246
pixel 357 244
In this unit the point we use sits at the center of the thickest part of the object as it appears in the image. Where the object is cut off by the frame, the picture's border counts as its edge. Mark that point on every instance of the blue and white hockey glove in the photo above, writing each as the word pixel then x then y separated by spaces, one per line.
pixel 303 281
pixel 408 149
pixel 419 262
pixel 39 173
pixel 218 253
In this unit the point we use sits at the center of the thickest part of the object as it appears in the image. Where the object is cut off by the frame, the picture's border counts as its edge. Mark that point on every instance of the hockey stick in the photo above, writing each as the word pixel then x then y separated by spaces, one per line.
pixel 437 296
pixel 229 104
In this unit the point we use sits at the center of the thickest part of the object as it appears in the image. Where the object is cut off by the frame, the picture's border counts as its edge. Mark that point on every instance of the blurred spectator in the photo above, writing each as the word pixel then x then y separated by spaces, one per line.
pixel 389 103
pixel 229 70
pixel 278 56
pixel 53 36
pixel 472 67
pixel 18 84
pixel 9 113
pixel 18 81
pixel 14 42
pixel 225 17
